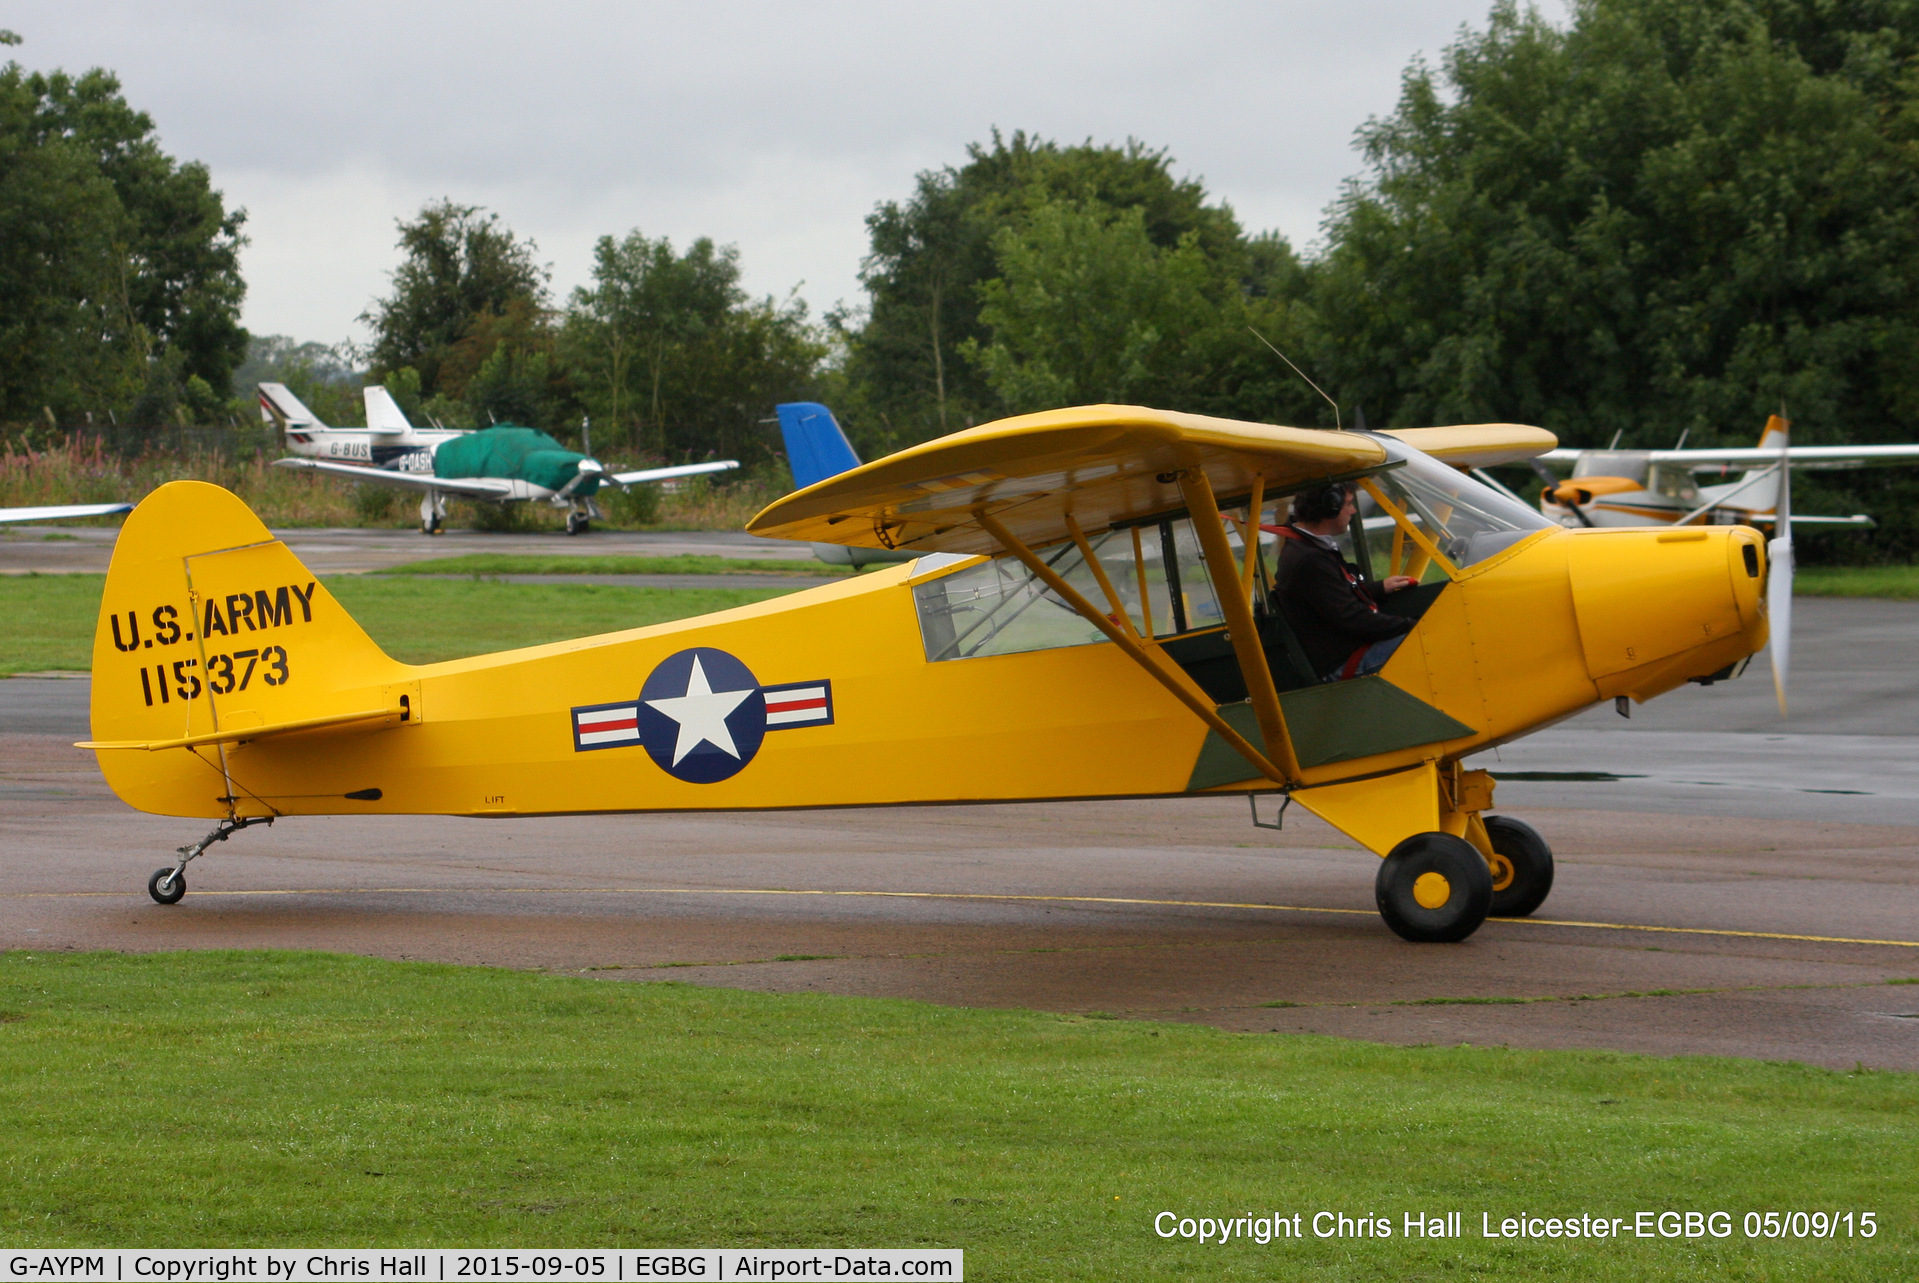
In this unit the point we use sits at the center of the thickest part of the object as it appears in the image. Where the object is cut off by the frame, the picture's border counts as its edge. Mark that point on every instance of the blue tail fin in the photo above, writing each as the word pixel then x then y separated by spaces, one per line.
pixel 815 447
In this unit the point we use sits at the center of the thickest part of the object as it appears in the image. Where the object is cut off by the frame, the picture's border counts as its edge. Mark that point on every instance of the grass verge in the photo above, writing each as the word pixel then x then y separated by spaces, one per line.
pixel 47 621
pixel 502 563
pixel 1898 582
pixel 202 1099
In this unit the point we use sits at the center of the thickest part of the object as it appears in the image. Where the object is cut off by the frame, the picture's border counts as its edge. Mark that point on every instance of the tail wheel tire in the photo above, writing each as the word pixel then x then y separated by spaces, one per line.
pixel 172 891
pixel 1434 888
pixel 1522 867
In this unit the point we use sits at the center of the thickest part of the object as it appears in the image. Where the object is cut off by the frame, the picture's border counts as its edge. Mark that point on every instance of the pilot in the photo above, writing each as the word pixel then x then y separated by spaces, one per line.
pixel 1334 613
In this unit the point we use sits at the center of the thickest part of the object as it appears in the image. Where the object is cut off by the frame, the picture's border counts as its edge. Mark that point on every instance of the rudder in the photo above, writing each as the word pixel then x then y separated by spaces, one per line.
pixel 210 626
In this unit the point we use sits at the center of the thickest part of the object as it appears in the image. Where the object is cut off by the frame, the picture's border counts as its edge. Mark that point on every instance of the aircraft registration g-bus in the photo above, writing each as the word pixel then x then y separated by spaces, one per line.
pixel 1083 620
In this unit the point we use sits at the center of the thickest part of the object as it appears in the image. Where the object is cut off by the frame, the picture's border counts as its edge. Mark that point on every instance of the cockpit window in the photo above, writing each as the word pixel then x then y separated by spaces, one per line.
pixel 999 607
pixel 1467 520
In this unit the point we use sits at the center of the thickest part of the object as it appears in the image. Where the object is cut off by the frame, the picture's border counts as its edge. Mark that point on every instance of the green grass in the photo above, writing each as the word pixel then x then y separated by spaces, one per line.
pixel 500 563
pixel 1901 582
pixel 47 621
pixel 202 1099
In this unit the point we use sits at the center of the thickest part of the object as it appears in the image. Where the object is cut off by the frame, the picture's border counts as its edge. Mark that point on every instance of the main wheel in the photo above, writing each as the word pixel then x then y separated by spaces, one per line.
pixel 174 889
pixel 1434 888
pixel 431 526
pixel 1522 867
pixel 575 523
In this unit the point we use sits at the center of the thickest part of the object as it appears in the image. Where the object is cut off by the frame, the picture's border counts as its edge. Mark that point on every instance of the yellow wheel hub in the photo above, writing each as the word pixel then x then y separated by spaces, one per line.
pixel 1432 890
pixel 1502 872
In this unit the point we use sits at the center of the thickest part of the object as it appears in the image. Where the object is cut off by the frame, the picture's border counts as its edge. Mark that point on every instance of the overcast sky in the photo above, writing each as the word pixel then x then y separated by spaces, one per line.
pixel 776 127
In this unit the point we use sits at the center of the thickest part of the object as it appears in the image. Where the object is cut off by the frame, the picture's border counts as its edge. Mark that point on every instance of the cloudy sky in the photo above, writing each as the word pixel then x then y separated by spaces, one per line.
pixel 776 127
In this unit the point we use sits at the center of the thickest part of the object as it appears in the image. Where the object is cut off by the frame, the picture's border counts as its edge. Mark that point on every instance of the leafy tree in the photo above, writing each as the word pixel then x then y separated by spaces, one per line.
pixel 321 375
pixel 667 350
pixel 119 272
pixel 460 269
pixel 1086 308
pixel 934 256
pixel 1667 216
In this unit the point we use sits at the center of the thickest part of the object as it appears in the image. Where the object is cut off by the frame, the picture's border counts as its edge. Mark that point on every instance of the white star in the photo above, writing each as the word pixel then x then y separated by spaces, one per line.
pixel 701 713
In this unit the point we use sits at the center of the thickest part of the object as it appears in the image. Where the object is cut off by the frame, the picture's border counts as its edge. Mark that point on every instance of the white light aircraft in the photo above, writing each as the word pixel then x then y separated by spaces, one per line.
pixel 500 464
pixel 1661 487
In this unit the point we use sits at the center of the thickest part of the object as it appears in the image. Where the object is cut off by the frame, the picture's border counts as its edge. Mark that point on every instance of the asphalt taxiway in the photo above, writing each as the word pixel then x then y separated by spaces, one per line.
pixel 1725 886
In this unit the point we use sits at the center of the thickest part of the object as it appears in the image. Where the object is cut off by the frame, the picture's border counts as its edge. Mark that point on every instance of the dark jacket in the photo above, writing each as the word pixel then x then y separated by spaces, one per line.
pixel 1332 611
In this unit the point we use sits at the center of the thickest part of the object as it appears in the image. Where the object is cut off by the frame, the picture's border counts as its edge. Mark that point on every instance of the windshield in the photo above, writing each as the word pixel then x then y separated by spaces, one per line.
pixel 1468 520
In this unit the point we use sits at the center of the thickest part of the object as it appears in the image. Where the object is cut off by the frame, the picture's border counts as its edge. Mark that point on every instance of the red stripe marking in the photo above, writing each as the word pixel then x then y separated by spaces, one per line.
pixel 793 705
pixel 624 725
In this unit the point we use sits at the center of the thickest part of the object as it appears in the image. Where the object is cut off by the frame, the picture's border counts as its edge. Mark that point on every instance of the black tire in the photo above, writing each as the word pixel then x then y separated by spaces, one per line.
pixel 575 524
pixel 174 890
pixel 1434 889
pixel 1522 867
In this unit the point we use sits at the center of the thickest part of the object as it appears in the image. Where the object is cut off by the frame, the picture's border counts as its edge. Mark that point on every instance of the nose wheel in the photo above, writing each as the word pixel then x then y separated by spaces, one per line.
pixel 166 886
pixel 577 523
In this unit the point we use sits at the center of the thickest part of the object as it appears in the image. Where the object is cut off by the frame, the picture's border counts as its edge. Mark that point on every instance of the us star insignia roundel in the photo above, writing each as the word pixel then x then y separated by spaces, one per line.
pixel 702 715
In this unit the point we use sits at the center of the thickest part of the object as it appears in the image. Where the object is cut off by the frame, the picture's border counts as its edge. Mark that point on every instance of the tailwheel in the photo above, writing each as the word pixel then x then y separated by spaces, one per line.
pixel 1522 867
pixel 167 885
pixel 1434 888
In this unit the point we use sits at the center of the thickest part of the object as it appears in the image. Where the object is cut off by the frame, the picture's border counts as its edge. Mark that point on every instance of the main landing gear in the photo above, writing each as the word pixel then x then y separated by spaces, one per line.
pixel 166 886
pixel 1437 888
pixel 433 513
pixel 577 523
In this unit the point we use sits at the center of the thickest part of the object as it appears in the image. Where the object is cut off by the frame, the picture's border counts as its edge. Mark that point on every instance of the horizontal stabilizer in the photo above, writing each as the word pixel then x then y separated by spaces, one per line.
pixel 244 734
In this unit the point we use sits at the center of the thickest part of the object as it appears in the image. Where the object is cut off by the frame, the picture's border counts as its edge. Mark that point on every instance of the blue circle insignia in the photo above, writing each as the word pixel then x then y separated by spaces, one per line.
pixel 702 715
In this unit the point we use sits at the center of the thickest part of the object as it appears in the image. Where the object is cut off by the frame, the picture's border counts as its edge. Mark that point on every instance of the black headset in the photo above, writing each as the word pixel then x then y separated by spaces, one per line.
pixel 1321 502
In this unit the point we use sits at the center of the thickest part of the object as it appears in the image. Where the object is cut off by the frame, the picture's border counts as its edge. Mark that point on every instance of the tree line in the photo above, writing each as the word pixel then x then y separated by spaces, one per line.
pixel 1662 217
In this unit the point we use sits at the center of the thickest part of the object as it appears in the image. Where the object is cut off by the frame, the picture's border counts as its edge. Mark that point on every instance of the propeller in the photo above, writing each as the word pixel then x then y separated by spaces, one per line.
pixel 1779 583
pixel 1552 483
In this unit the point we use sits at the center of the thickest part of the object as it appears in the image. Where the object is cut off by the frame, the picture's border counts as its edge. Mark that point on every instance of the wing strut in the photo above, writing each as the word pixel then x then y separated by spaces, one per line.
pixel 1235 600
pixel 1172 679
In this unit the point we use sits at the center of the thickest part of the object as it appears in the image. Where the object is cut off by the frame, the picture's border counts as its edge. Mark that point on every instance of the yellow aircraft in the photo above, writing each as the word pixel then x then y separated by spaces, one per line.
pixel 1086 618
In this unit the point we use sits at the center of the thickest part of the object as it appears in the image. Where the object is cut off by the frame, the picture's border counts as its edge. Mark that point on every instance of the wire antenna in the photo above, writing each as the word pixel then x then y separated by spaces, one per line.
pixel 1301 373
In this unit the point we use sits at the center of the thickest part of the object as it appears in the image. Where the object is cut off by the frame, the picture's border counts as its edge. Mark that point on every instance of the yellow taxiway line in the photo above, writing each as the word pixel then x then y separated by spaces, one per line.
pixel 965 895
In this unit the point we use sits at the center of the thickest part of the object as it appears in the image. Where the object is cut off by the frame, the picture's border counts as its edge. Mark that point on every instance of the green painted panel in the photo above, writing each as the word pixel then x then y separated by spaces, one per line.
pixel 1335 722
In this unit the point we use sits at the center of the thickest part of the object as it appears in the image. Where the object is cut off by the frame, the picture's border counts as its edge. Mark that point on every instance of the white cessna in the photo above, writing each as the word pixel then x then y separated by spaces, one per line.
pixel 500 464
pixel 1661 487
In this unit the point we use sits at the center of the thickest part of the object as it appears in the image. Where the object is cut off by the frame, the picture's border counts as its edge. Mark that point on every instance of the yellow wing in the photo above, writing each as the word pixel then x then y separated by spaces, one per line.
pixel 1099 464
pixel 1479 445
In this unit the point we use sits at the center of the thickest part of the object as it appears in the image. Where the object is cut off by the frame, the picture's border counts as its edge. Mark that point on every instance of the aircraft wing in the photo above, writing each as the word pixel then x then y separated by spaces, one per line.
pixel 474 487
pixel 667 474
pixel 1802 456
pixel 1100 465
pixel 63 510
pixel 1481 445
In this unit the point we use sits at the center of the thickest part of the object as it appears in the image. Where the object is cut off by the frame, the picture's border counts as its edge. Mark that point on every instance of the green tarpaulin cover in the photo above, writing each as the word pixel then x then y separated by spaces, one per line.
pixel 516 453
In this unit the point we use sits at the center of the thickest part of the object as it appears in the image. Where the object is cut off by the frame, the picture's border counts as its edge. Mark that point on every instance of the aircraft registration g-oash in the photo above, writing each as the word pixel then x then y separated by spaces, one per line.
pixel 1081 621
pixel 501 464
pixel 1661 487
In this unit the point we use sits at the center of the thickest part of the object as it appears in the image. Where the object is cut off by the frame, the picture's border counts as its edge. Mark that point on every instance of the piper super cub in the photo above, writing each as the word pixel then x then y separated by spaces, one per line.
pixel 1088 615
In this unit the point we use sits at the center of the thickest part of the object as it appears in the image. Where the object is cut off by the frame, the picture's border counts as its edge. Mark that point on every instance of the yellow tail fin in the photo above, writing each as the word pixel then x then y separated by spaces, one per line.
pixel 213 635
